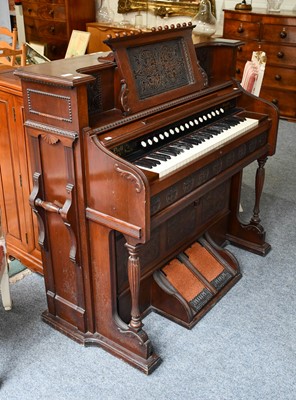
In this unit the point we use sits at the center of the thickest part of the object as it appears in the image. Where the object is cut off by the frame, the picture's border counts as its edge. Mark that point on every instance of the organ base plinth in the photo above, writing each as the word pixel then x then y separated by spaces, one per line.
pixel 146 363
pixel 191 284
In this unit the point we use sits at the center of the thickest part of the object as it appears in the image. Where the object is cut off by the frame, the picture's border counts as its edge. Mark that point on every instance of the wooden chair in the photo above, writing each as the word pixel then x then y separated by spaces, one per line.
pixel 9 53
pixel 4 279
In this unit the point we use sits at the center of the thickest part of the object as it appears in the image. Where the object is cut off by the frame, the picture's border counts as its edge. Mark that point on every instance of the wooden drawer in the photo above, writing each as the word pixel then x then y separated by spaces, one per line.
pixel 279 33
pixel 280 55
pixel 235 29
pixel 52 12
pixel 36 29
pixel 245 52
pixel 277 77
pixel 276 54
pixel 286 101
pixel 283 78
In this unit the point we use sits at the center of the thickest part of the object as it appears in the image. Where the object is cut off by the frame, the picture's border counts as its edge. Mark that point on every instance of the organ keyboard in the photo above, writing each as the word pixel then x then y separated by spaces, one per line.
pixel 137 159
pixel 178 152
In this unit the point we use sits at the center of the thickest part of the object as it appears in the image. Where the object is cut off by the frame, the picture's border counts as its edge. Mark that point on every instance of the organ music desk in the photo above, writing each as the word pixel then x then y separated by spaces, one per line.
pixel 137 160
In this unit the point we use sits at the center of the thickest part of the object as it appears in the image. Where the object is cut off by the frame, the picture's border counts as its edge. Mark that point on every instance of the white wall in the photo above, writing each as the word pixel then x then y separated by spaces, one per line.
pixel 4 14
pixel 4 17
pixel 220 4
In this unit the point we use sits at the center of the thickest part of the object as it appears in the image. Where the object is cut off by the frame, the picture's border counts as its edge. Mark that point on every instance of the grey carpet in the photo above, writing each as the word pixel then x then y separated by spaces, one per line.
pixel 244 348
pixel 15 267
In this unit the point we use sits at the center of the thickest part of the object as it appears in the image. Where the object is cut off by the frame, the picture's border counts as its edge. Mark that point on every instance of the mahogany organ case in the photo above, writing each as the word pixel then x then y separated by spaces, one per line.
pixel 137 158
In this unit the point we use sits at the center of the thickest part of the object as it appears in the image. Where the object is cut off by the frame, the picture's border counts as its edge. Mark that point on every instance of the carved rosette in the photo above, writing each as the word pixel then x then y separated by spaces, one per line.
pixel 49 138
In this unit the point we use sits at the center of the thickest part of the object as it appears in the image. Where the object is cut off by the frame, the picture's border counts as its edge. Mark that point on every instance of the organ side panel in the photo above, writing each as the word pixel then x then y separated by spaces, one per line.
pixel 75 209
pixel 57 197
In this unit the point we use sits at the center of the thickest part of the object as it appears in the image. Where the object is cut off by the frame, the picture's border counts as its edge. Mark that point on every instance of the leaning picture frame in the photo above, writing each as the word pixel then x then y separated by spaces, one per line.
pixel 77 44
pixel 33 56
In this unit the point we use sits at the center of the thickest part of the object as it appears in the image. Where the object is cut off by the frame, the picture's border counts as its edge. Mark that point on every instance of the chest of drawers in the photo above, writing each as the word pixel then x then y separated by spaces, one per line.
pixel 274 33
pixel 51 22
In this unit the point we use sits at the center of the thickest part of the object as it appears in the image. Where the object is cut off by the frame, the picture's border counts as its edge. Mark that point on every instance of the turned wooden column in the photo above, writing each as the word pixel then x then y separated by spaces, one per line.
pixel 260 177
pixel 134 272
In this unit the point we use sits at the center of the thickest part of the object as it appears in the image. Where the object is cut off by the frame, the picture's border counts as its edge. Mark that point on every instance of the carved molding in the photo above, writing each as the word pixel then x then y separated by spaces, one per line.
pixel 130 177
pixel 41 94
pixel 51 129
pixel 145 113
pixel 124 97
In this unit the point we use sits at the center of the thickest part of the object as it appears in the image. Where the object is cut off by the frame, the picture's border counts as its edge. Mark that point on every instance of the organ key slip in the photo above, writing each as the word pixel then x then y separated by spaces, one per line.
pixel 137 157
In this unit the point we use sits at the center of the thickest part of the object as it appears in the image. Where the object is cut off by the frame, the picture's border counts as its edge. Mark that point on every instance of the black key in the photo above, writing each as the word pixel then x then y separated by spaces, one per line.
pixel 197 137
pixel 192 140
pixel 222 126
pixel 176 149
pixel 168 152
pixel 239 118
pixel 158 156
pixel 205 134
pixel 151 161
pixel 142 163
pixel 214 130
pixel 182 145
pixel 165 156
pixel 230 122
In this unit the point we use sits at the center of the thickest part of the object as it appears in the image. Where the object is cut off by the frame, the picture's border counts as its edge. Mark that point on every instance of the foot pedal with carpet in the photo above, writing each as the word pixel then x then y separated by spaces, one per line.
pixel 191 284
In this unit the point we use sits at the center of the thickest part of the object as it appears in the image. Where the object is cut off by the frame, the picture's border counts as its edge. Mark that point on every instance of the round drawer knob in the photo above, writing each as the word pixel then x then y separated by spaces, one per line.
pixel 29 10
pixel 51 13
pixel 237 71
pixel 239 49
pixel 52 29
pixel 240 29
pixel 277 77
pixel 280 54
pixel 283 34
pixel 275 101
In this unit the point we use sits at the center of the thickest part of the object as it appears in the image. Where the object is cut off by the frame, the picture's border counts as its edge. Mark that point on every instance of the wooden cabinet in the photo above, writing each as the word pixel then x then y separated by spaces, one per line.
pixel 51 22
pixel 99 33
pixel 19 224
pixel 276 35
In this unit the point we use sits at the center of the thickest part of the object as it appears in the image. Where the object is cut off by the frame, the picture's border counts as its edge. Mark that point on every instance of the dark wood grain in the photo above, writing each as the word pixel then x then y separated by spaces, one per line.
pixel 107 228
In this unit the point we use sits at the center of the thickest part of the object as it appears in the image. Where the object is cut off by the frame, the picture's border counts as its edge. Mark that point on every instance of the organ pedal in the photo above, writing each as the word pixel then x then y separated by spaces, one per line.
pixel 191 284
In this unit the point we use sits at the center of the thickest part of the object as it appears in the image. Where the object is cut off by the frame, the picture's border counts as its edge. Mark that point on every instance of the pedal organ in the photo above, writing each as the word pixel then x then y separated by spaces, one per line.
pixel 137 160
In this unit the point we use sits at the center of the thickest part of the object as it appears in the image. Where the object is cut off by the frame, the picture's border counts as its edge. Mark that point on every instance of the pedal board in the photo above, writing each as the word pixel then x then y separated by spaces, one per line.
pixel 192 283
